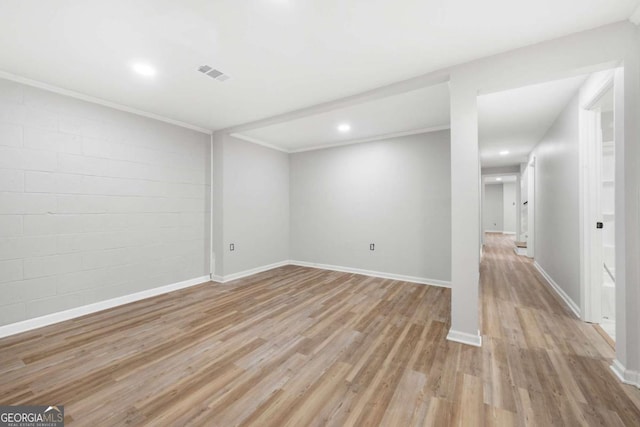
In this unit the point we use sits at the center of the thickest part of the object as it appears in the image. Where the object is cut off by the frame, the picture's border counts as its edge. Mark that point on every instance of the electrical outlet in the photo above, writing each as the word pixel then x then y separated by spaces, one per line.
pixel 372 246
pixel 232 247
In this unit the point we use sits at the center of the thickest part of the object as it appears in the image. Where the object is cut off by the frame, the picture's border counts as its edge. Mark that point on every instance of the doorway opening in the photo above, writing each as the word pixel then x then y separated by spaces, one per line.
pixel 600 140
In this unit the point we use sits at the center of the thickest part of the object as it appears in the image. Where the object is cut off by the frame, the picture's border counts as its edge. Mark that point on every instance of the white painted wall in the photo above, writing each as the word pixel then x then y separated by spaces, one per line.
pixel 252 193
pixel 493 208
pixel 509 207
pixel 394 193
pixel 94 203
pixel 557 231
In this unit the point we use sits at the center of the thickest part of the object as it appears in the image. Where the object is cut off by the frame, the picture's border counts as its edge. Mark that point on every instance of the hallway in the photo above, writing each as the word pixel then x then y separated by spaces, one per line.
pixel 539 360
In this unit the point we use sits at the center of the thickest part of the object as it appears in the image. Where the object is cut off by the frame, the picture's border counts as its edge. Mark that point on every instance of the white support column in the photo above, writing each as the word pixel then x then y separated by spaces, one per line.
pixel 465 215
pixel 627 138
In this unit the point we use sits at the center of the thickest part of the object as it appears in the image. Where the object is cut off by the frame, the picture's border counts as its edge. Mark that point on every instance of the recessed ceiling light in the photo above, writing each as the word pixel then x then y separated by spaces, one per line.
pixel 144 69
pixel 504 152
pixel 345 127
pixel 498 179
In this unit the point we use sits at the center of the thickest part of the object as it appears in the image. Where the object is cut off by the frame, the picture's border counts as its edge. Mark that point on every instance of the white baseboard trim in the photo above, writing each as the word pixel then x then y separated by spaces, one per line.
pixel 411 279
pixel 465 338
pixel 250 272
pixel 625 375
pixel 513 233
pixel 558 290
pixel 61 316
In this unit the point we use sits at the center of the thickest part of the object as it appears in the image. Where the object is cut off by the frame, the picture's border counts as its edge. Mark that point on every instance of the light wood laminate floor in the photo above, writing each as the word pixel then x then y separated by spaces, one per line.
pixel 299 346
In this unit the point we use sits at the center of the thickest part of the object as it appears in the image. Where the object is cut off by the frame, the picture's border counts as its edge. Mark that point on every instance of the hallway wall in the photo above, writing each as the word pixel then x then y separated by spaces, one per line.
pixel 493 209
pixel 509 207
pixel 557 233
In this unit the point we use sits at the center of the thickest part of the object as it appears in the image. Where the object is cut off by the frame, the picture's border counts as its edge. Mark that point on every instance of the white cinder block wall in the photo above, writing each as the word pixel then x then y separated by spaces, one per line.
pixel 95 203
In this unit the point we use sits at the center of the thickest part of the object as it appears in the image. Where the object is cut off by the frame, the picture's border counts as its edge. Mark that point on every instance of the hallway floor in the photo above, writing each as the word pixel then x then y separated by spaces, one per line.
pixel 540 362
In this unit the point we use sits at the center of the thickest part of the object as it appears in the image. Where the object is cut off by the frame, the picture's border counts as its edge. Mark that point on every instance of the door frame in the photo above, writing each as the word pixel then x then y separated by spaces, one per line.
pixel 591 252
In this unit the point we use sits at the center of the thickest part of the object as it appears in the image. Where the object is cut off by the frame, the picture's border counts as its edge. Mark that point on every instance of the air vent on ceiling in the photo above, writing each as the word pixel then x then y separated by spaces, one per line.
pixel 213 73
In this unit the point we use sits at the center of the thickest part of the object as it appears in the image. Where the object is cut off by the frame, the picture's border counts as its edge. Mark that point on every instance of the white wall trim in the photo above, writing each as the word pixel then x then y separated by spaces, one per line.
pixel 246 273
pixel 342 143
pixel 465 338
pixel 411 279
pixel 558 290
pixel 61 316
pixel 258 142
pixel 625 375
pixel 88 98
pixel 374 138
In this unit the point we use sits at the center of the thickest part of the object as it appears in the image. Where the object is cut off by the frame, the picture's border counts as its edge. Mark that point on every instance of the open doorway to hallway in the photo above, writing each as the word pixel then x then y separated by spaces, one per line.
pixel 559 139
pixel 500 200
pixel 511 124
pixel 598 128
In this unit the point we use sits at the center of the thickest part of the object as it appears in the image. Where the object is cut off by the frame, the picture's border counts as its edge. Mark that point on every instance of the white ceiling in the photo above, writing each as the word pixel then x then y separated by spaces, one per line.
pixel 407 112
pixel 516 120
pixel 282 55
